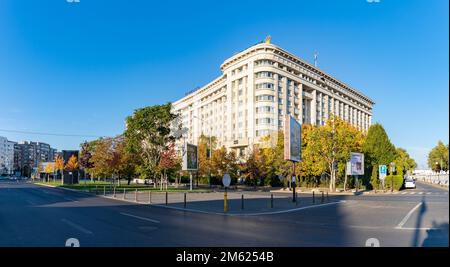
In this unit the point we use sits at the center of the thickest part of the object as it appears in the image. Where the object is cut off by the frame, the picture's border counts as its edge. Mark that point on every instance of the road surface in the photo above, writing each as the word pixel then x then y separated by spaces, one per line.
pixel 32 215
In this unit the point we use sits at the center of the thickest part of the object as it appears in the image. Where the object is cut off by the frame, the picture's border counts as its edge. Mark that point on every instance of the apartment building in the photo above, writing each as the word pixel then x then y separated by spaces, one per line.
pixel 6 156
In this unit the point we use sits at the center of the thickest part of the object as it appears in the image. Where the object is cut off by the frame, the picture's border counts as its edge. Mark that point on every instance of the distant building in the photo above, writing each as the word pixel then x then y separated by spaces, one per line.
pixel 6 156
pixel 28 155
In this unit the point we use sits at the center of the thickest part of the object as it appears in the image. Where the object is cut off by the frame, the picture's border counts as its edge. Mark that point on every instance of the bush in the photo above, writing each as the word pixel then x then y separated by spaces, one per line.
pixel 397 181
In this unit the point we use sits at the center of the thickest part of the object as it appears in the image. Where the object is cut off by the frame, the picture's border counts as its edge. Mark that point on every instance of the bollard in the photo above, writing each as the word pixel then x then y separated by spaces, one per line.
pixel 135 196
pixel 166 197
pixel 104 190
pixel 149 196
pixel 225 201
pixel 322 197
pixel 327 198
pixel 124 193
pixel 314 200
pixel 271 201
pixel 114 192
pixel 242 202
pixel 184 200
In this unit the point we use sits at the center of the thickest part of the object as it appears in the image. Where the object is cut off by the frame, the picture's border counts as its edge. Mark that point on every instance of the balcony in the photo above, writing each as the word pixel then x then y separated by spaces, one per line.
pixel 308 95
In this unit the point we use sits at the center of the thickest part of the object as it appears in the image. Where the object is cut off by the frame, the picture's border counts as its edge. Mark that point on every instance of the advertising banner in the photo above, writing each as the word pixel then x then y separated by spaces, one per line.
pixel 292 139
pixel 357 163
pixel 190 158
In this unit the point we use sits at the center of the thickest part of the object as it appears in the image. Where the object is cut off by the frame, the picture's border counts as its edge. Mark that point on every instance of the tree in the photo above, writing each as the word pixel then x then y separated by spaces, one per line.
pixel 403 163
pixel 72 165
pixel 204 149
pixel 101 159
pixel 168 163
pixel 378 150
pixel 148 133
pixel 49 168
pixel 86 157
pixel 254 167
pixel 438 157
pixel 224 162
pixel 333 142
pixel 59 165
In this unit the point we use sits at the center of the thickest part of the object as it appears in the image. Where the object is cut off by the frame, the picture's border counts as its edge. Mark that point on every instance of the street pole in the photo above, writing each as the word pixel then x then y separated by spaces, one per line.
pixel 293 183
pixel 210 150
pixel 190 181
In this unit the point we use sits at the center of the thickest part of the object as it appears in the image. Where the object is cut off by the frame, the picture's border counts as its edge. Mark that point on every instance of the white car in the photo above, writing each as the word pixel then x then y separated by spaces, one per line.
pixel 409 183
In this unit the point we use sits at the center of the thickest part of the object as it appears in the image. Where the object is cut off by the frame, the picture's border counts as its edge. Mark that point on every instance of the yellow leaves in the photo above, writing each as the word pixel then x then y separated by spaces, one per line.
pixel 59 163
pixel 72 164
pixel 49 168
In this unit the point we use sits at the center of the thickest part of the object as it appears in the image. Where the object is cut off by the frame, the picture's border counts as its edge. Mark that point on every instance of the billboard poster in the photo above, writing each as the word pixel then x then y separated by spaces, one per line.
pixel 292 139
pixel 190 158
pixel 357 163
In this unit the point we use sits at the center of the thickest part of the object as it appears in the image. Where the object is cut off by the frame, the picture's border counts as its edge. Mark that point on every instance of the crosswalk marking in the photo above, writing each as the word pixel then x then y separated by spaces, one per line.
pixel 403 193
pixel 428 193
pixel 420 193
pixel 412 193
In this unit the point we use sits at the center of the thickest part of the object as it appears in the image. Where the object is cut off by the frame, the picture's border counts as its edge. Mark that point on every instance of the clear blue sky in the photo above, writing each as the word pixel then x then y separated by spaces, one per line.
pixel 82 68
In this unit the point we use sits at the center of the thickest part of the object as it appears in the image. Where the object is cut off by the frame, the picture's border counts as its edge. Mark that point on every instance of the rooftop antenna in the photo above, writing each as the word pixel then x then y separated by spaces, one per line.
pixel 316 55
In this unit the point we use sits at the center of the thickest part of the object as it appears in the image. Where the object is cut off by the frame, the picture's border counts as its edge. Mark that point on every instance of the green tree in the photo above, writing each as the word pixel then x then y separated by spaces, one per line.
pixel 438 157
pixel 331 143
pixel 403 162
pixel 378 150
pixel 148 133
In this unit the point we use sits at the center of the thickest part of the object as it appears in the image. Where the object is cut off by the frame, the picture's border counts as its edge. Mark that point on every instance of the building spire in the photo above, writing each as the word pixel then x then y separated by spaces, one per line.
pixel 268 38
pixel 316 56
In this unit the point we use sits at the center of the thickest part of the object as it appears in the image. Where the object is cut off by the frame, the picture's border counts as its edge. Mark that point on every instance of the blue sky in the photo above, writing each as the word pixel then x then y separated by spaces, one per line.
pixel 82 68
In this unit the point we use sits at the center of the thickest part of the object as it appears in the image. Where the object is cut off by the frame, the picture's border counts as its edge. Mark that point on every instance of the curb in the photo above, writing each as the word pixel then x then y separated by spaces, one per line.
pixel 195 210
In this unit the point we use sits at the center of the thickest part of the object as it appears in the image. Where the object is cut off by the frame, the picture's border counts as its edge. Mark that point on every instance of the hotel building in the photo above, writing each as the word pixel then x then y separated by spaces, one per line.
pixel 258 86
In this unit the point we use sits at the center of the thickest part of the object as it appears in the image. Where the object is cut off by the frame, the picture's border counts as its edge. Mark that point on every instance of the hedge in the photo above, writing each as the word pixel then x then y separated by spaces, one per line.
pixel 397 179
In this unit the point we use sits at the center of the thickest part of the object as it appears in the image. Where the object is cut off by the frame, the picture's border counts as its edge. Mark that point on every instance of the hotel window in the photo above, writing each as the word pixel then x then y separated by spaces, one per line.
pixel 264 121
pixel 269 86
pixel 264 74
pixel 265 98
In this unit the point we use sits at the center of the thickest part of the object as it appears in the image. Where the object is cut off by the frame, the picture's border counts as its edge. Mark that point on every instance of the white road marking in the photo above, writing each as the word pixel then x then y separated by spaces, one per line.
pixel 70 199
pixel 76 226
pixel 428 193
pixel 400 225
pixel 412 193
pixel 421 228
pixel 139 217
pixel 404 193
pixel 420 193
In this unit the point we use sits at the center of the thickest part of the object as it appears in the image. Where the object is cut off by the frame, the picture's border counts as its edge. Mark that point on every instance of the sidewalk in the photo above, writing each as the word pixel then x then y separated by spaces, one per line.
pixel 239 203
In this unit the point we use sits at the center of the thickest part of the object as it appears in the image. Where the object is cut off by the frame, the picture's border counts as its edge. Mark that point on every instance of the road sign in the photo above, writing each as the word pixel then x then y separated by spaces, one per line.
pixel 293 179
pixel 226 180
pixel 382 169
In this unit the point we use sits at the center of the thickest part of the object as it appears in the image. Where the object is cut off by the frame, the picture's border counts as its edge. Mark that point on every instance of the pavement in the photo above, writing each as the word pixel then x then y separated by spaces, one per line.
pixel 32 215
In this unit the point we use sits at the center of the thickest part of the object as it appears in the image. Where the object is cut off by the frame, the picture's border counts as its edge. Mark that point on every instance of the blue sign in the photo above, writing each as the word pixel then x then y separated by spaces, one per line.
pixel 382 169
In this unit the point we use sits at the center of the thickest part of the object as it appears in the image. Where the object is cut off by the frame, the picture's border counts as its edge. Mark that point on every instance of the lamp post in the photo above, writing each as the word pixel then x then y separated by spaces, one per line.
pixel 210 149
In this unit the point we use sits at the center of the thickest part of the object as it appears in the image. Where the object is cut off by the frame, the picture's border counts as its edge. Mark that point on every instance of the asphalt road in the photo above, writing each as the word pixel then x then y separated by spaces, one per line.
pixel 31 215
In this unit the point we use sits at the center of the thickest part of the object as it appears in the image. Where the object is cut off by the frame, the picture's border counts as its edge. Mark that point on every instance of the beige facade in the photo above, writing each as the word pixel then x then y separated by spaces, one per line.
pixel 258 86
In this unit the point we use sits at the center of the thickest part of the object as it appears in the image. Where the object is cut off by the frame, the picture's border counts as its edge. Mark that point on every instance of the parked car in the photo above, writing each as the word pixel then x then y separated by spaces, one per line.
pixel 409 183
